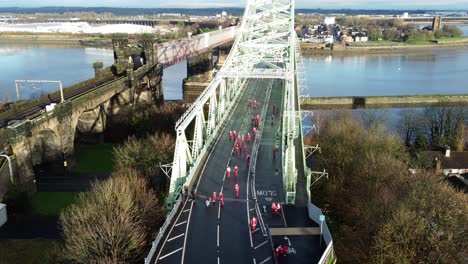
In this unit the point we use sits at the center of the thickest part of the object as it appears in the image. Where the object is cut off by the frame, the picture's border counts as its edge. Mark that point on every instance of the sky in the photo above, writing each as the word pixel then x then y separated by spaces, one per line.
pixel 330 4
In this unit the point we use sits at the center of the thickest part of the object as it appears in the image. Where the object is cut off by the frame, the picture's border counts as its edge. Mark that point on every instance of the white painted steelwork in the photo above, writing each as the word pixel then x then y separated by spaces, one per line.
pixel 265 47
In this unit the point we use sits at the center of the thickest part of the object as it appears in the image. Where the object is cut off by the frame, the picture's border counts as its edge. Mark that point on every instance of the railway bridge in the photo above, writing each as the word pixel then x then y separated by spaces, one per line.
pixel 32 136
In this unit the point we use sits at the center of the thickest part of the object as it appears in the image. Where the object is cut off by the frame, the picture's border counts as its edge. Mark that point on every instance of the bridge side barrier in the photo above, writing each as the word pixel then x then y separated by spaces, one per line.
pixel 163 229
pixel 329 255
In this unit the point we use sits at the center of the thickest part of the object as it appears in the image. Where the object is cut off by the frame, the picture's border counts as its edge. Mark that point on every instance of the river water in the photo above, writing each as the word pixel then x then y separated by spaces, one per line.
pixel 434 71
pixel 69 64
pixel 38 62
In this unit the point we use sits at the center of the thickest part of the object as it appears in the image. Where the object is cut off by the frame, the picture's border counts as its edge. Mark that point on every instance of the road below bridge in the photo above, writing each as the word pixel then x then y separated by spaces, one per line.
pixel 216 234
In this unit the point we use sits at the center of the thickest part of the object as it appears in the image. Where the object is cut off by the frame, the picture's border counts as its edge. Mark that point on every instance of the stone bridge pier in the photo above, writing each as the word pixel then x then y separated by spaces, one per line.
pixel 200 71
pixel 199 75
pixel 223 52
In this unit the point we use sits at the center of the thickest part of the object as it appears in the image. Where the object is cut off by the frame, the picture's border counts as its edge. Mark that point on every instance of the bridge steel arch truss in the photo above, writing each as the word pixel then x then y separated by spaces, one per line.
pixel 265 48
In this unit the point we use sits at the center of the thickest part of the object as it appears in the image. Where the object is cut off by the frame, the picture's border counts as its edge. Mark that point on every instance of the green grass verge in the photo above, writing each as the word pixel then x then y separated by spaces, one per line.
pixel 51 203
pixel 94 158
pixel 32 251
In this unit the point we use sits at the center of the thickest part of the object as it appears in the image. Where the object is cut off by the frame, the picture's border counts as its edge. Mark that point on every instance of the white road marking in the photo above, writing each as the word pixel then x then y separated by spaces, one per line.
pixel 172 238
pixel 254 261
pixel 219 210
pixel 186 231
pixel 168 254
pixel 284 219
pixel 170 231
pixel 217 237
pixel 261 244
pixel 186 210
pixel 251 209
pixel 218 260
pixel 267 259
pixel 181 223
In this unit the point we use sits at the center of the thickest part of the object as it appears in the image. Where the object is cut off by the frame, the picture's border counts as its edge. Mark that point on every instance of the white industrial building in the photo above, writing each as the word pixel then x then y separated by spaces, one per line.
pixel 328 20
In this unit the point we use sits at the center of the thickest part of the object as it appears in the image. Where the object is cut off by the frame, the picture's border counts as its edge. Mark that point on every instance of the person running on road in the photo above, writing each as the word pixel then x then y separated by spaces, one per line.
pixel 228 172
pixel 254 131
pixel 221 199
pixel 248 138
pixel 274 152
pixel 236 149
pixel 248 103
pixel 236 189
pixel 234 135
pixel 253 224
pixel 208 202
pixel 255 104
pixel 214 198
pixel 236 171
pixel 242 139
pixel 230 136
pixel 247 159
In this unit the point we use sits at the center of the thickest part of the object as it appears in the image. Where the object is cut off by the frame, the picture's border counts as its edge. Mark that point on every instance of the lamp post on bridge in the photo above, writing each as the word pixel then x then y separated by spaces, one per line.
pixel 322 219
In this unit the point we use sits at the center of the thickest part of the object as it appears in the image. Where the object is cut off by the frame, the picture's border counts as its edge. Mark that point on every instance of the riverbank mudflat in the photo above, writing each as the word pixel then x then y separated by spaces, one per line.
pixel 55 39
pixel 402 101
pixel 311 49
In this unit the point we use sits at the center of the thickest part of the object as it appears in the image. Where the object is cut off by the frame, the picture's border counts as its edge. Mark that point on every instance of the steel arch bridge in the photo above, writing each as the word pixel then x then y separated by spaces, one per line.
pixel 264 64
pixel 266 47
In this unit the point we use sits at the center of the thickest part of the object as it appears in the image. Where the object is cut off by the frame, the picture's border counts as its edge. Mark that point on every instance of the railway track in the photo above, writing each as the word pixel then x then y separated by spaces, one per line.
pixel 37 109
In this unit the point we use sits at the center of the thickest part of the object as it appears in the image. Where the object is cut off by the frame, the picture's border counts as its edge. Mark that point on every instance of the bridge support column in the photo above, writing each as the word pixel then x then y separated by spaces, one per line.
pixel 24 174
pixel 199 75
pixel 150 49
pixel 223 52
pixel 155 84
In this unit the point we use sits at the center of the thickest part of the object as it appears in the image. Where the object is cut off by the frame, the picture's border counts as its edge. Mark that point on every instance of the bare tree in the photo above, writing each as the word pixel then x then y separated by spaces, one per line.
pixel 145 155
pixel 409 124
pixel 111 223
pixel 427 227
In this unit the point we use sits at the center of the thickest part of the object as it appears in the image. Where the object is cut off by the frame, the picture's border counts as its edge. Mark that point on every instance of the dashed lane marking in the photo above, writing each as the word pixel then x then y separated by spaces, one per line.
pixel 261 244
pixel 217 237
pixel 170 239
pixel 186 210
pixel 168 254
pixel 181 223
pixel 264 261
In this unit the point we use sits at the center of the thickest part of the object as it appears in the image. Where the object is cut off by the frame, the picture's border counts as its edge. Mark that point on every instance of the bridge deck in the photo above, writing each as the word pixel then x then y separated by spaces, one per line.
pixel 222 234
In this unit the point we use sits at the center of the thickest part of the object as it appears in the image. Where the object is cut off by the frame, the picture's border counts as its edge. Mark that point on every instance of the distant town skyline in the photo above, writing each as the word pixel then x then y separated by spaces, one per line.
pixel 326 4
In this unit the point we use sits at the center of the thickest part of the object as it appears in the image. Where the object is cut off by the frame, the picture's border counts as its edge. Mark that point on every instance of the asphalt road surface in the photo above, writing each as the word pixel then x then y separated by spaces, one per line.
pixel 216 234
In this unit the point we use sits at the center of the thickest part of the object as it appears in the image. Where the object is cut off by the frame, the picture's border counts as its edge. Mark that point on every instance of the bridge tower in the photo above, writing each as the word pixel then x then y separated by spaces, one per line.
pixel 265 48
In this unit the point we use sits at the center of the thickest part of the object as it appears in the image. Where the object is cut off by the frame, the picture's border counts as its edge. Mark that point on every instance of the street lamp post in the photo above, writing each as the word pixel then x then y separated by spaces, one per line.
pixel 322 219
